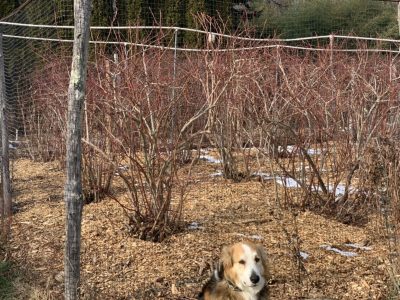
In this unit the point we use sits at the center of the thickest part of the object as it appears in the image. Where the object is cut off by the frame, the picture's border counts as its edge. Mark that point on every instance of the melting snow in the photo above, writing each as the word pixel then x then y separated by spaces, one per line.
pixel 358 246
pixel 217 174
pixel 120 169
pixel 263 175
pixel 194 226
pixel 294 149
pixel 304 255
pixel 204 150
pixel 313 151
pixel 338 251
pixel 287 182
pixel 210 159
pixel 289 149
pixel 338 191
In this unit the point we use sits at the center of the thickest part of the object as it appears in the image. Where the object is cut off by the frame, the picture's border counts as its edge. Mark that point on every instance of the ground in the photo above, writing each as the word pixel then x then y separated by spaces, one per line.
pixel 118 266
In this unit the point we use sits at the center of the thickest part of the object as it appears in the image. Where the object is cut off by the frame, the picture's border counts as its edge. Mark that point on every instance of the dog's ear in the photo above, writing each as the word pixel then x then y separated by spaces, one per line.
pixel 225 261
pixel 264 259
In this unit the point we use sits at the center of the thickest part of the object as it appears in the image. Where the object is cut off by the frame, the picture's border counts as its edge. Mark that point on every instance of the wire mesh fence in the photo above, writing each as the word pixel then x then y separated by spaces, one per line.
pixel 39 28
pixel 311 86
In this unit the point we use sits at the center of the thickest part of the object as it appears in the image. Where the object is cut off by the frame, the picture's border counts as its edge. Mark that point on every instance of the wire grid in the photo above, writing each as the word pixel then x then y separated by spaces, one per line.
pixel 22 57
pixel 40 28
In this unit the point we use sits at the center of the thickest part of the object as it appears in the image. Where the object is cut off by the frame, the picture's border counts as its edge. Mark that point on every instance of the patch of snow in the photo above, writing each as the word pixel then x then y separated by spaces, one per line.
pixel 217 174
pixel 338 191
pixel 194 226
pixel 313 151
pixel 291 183
pixel 304 255
pixel 294 149
pixel 120 169
pixel 14 144
pixel 210 159
pixel 289 149
pixel 204 150
pixel 358 246
pixel 338 251
pixel 123 168
pixel 265 176
pixel 287 182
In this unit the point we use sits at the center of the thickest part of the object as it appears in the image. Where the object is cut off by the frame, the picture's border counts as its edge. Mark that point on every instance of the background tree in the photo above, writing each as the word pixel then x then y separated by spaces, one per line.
pixel 286 18
pixel 7 6
pixel 193 8
pixel 102 13
pixel 175 16
pixel 224 10
pixel 133 10
pixel 322 17
pixel 175 12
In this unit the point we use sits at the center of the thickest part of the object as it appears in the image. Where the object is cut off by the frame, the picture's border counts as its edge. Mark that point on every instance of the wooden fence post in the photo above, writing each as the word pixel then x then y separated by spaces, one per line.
pixel 6 203
pixel 73 187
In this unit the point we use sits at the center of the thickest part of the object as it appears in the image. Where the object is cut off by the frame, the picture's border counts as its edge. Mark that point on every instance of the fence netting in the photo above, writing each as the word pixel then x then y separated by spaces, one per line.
pixel 308 90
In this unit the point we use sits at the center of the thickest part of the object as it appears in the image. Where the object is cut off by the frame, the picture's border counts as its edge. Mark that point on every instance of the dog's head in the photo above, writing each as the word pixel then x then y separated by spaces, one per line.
pixel 244 265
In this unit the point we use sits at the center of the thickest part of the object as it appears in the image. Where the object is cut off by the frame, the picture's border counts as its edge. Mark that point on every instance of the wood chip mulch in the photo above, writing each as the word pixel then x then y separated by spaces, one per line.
pixel 118 266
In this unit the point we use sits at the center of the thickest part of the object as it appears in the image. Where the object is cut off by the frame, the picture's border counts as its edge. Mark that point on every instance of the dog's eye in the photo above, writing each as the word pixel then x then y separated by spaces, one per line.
pixel 257 259
pixel 242 262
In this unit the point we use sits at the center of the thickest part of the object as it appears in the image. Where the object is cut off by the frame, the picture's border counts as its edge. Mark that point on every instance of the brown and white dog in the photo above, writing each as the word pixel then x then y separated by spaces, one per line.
pixel 242 274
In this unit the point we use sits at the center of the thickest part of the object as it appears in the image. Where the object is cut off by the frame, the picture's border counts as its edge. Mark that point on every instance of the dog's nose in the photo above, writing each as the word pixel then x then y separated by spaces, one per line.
pixel 254 278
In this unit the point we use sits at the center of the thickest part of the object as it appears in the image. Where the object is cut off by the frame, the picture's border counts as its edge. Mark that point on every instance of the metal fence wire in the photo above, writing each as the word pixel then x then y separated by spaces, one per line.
pixel 283 74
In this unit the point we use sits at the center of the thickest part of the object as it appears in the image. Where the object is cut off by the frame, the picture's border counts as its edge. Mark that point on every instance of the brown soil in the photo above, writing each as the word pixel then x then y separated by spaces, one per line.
pixel 117 266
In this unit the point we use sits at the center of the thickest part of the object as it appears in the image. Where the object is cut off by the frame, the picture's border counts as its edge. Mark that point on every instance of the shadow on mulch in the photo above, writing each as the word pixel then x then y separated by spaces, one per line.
pixel 6 278
pixel 355 211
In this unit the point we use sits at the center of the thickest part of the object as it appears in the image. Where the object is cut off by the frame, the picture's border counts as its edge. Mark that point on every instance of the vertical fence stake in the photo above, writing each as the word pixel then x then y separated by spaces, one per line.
pixel 175 52
pixel 173 88
pixel 2 99
pixel 73 187
pixel 331 41
pixel 6 211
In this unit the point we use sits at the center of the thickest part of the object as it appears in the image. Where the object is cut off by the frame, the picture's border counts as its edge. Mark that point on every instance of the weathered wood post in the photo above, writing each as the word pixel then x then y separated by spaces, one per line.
pixel 6 202
pixel 73 186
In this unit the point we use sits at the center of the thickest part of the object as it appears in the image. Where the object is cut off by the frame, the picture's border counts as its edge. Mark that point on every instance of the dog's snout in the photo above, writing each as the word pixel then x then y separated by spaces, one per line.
pixel 254 278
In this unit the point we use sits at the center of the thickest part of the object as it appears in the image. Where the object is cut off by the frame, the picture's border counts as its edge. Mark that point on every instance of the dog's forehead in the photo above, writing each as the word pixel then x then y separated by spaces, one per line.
pixel 241 250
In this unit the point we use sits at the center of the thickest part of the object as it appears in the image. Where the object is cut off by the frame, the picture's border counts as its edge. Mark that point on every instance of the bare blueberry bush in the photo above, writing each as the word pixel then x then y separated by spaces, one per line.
pixel 149 144
pixel 319 119
pixel 326 120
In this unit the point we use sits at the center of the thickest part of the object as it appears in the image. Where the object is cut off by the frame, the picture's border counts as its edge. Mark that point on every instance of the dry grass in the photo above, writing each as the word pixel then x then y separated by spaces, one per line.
pixel 117 266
